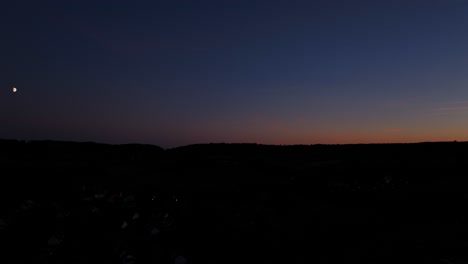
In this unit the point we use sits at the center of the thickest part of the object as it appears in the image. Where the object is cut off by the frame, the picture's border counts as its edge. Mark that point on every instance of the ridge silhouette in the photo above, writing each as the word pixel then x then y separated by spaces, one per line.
pixel 87 202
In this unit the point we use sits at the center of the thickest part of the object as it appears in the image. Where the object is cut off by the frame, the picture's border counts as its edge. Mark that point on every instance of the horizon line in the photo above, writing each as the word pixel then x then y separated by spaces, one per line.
pixel 227 143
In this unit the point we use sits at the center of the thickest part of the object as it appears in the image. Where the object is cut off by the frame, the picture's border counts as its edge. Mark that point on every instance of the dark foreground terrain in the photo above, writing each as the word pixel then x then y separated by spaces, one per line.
pixel 66 202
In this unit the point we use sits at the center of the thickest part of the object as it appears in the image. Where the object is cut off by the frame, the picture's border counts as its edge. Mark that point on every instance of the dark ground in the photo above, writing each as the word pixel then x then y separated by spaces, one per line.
pixel 65 202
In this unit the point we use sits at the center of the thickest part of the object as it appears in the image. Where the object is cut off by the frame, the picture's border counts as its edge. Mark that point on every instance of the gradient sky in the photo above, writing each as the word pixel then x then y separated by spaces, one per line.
pixel 175 72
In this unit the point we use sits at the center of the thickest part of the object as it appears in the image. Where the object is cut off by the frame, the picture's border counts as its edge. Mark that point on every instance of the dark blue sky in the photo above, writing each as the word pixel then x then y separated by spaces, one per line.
pixel 278 72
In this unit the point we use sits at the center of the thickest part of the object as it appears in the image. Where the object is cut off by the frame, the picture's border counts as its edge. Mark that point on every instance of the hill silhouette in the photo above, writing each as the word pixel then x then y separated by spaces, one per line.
pixel 233 203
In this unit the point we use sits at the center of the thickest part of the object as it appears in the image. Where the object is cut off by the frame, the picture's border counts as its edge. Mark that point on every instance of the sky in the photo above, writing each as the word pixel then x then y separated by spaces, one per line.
pixel 175 72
